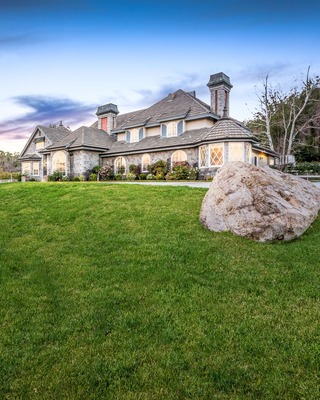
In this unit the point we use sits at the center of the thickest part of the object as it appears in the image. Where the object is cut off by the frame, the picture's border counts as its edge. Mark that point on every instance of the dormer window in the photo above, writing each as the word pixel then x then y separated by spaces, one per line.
pixel 40 145
pixel 134 137
pixel 172 129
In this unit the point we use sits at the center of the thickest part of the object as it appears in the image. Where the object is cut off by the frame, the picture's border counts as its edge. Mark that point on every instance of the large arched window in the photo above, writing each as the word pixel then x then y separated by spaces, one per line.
pixel 179 156
pixel 145 162
pixel 120 165
pixel 59 162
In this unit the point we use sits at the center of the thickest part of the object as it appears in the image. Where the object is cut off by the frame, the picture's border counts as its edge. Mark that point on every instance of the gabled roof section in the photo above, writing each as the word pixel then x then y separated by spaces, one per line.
pixel 30 157
pixel 177 105
pixel 228 128
pixel 50 133
pixel 84 137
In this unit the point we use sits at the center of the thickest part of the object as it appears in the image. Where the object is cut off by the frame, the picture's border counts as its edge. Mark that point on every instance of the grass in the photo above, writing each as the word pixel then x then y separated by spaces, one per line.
pixel 118 292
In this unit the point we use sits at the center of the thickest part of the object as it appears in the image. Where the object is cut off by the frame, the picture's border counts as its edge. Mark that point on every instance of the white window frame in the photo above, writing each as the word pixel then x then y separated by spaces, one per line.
pixel 144 164
pixel 134 136
pixel 40 145
pixel 117 165
pixel 205 158
pixel 242 150
pixel 172 129
pixel 26 167
pixel 179 153
pixel 216 145
pixel 37 168
pixel 57 159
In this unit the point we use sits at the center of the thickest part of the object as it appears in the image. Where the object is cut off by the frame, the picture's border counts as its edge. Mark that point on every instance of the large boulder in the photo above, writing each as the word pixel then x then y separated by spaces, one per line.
pixel 262 204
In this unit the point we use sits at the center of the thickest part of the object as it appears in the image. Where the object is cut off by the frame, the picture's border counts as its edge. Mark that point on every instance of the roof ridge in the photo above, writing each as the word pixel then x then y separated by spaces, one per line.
pixel 199 101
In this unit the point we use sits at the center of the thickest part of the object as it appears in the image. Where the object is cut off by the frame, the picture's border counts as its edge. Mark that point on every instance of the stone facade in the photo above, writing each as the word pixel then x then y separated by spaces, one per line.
pixel 136 159
pixel 83 161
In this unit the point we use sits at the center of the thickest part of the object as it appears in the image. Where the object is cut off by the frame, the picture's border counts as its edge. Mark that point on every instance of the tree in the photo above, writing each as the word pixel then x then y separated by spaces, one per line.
pixel 9 162
pixel 282 118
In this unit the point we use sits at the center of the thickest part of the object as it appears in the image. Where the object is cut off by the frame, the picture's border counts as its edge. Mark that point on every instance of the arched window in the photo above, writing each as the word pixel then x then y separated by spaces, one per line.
pixel 178 156
pixel 120 165
pixel 134 137
pixel 59 162
pixel 145 162
pixel 172 129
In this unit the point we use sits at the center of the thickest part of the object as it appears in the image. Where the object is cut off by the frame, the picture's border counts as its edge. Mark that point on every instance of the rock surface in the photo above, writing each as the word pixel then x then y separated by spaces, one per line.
pixel 262 204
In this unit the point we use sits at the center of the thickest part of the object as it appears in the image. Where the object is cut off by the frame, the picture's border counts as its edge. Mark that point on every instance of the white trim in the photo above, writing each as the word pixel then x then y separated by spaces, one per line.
pixel 209 154
pixel 180 152
pixel 206 156
pixel 142 163
pixel 123 164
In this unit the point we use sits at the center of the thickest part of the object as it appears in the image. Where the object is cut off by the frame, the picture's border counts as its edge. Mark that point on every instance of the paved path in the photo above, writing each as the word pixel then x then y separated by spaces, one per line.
pixel 197 184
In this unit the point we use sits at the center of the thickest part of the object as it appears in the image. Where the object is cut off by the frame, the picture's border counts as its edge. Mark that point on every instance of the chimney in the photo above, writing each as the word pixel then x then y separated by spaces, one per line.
pixel 107 117
pixel 220 86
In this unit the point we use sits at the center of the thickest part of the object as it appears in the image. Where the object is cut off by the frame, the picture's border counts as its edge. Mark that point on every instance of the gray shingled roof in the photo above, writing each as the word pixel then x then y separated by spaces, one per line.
pixel 179 103
pixel 30 157
pixel 84 137
pixel 188 138
pixel 228 128
pixel 54 134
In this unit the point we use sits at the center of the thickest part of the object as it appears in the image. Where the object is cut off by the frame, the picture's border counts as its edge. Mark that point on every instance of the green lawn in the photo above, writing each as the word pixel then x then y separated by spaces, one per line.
pixel 118 292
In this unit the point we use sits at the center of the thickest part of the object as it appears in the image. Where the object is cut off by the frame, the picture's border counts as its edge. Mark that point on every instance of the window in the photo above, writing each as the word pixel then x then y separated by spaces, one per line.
pixel 120 165
pixel 236 151
pixel 36 166
pixel 172 129
pixel 26 168
pixel 134 136
pixel 247 156
pixel 145 162
pixel 202 156
pixel 178 156
pixel 59 162
pixel 216 154
pixel 40 145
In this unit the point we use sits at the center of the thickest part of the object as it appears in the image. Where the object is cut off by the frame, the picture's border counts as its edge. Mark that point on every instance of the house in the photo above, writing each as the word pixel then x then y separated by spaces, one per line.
pixel 180 127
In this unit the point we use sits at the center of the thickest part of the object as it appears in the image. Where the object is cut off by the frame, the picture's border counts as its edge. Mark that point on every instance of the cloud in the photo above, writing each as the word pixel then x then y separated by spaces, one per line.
pixel 44 111
pixel 18 40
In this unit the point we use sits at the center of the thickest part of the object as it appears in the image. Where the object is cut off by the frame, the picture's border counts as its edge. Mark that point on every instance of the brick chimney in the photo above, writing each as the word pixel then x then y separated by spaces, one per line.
pixel 107 115
pixel 220 86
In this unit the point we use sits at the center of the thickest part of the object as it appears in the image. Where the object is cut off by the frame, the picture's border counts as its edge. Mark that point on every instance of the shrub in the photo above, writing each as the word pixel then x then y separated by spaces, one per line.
pixel 131 176
pixel 56 176
pixel 143 177
pixel 96 169
pixel 159 167
pixel 65 178
pixel 180 170
pixel 159 176
pixel 151 177
pixel 119 177
pixel 106 173
pixel 93 177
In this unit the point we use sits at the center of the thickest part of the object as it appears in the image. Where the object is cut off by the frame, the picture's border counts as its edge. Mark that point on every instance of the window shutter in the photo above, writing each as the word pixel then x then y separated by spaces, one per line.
pixel 140 133
pixel 180 128
pixel 128 136
pixel 164 130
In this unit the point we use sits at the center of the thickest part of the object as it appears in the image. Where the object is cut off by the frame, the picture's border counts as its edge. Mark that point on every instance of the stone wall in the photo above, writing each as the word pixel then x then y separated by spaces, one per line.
pixel 83 160
pixel 192 157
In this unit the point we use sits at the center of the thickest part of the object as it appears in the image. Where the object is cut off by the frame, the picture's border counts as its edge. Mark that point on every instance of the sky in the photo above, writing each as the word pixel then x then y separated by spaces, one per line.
pixel 60 60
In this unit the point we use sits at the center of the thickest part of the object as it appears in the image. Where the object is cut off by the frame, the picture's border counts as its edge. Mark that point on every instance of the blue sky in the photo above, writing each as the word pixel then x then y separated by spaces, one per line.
pixel 59 59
